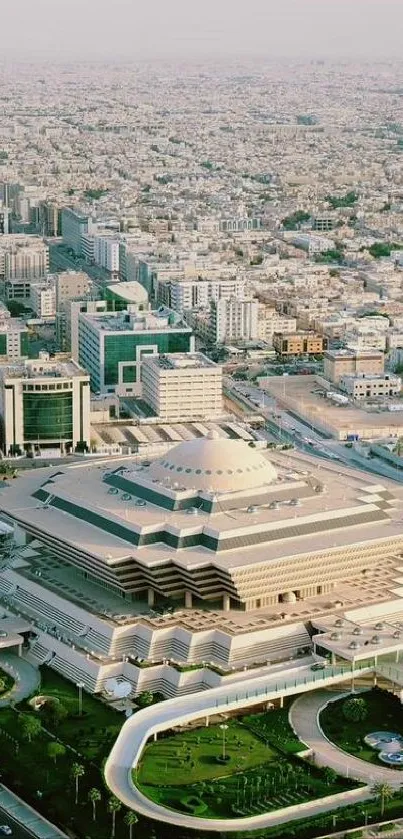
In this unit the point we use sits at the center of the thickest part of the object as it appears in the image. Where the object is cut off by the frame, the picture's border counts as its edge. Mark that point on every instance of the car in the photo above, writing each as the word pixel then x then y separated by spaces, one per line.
pixel 5 830
pixel 319 665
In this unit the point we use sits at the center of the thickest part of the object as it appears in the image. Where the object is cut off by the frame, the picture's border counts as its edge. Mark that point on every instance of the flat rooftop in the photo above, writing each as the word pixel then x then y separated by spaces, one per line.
pixel 182 361
pixel 301 395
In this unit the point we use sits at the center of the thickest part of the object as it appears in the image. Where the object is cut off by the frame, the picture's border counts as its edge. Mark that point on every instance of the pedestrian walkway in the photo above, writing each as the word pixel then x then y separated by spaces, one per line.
pixel 304 718
pixel 27 816
pixel 26 678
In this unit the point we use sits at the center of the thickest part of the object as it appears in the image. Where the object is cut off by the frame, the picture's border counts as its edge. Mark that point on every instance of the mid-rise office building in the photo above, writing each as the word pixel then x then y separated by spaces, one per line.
pixel 112 345
pixel 299 343
pixel 106 253
pixel 234 320
pixel 67 322
pixel 121 295
pixel 182 387
pixel 75 224
pixel 70 285
pixel 338 363
pixel 44 403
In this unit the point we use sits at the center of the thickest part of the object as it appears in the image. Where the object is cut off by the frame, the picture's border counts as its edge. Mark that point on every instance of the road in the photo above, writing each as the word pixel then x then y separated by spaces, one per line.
pixel 138 729
pixel 61 260
pixel 18 831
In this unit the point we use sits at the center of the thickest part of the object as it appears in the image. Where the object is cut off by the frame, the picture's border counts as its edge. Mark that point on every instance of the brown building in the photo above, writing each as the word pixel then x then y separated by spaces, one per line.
pixel 299 343
pixel 340 363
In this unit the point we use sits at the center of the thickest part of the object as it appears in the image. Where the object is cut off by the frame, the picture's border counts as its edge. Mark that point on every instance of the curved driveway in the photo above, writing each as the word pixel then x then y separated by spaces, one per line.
pixel 304 715
pixel 26 678
pixel 175 712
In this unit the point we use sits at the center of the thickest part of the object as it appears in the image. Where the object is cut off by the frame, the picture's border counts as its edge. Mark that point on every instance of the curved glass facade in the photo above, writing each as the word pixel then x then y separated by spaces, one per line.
pixel 48 416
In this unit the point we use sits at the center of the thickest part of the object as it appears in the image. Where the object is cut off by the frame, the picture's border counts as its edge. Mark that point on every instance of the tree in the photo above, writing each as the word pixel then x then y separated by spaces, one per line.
pixel 55 712
pixel 330 776
pixel 130 819
pixel 114 805
pixel 355 709
pixel 384 792
pixel 31 727
pixel 94 796
pixel 55 750
pixel 77 771
pixel 144 699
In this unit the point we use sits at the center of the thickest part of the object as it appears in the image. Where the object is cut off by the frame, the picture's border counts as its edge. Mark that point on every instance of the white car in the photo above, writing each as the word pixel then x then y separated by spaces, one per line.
pixel 5 830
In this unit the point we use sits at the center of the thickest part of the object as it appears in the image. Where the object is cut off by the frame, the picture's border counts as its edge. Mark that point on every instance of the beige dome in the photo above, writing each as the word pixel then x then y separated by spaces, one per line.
pixel 214 463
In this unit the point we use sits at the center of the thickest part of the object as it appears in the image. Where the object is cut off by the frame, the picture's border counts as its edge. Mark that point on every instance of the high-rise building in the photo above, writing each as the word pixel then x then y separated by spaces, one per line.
pixel 44 403
pixel 112 345
pixel 182 387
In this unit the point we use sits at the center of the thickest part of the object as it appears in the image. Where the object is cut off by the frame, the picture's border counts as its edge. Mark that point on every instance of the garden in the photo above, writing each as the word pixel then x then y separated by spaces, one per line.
pixel 349 722
pixel 54 756
pixel 6 682
pixel 236 769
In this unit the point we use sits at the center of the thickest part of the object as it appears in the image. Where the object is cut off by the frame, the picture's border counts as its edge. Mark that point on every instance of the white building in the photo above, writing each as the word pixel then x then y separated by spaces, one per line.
pixel 234 320
pixel 43 300
pixel 365 386
pixel 313 244
pixel 188 294
pixel 44 403
pixel 75 224
pixel 106 253
pixel 182 387
pixel 270 321
pixel 23 257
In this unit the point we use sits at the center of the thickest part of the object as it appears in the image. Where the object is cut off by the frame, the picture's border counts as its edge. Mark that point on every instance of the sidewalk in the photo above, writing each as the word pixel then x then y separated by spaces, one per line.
pixel 27 816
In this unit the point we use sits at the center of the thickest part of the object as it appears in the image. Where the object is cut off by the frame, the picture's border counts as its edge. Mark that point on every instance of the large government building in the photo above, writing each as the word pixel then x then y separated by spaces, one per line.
pixel 217 554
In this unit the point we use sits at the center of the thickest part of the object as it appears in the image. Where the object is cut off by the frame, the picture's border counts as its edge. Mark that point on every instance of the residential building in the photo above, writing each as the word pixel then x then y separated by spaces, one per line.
pixel 270 321
pixel 299 343
pixel 44 403
pixel 23 257
pixel 70 285
pixel 43 300
pixel 106 253
pixel 338 363
pixel 13 335
pixel 112 346
pixel 233 319
pixel 181 387
pixel 198 293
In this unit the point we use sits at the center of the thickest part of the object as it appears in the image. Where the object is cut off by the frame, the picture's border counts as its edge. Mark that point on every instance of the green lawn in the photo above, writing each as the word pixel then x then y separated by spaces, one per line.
pixel 94 733
pixel 182 773
pixel 274 728
pixel 191 756
pixel 385 713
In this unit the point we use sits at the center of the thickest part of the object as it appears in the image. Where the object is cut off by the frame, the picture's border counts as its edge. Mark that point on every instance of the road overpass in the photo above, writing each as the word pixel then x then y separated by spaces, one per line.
pixel 148 722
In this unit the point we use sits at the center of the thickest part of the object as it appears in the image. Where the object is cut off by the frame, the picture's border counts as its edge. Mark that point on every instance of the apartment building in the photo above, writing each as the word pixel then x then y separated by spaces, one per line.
pixel 234 320
pixel 23 257
pixel 43 300
pixel 299 343
pixel 189 293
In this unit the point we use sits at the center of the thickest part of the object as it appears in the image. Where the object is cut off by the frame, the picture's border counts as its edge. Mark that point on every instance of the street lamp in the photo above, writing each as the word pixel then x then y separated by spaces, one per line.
pixel 80 686
pixel 224 728
pixel 365 814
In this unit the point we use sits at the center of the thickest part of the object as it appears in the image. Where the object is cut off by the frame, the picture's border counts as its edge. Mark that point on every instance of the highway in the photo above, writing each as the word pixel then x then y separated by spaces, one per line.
pixel 18 831
pixel 138 729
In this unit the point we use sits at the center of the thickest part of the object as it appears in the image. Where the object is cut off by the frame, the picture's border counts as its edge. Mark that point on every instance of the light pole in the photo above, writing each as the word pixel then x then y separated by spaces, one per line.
pixel 224 728
pixel 365 814
pixel 80 686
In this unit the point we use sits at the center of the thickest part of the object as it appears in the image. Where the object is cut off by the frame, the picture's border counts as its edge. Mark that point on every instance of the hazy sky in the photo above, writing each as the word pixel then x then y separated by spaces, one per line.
pixel 153 28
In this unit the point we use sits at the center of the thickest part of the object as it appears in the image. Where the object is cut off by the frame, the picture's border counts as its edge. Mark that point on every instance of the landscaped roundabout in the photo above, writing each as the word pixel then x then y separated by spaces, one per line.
pixel 368 726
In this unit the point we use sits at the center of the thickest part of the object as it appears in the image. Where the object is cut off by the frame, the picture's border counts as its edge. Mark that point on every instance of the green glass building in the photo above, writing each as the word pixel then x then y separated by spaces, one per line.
pixel 112 345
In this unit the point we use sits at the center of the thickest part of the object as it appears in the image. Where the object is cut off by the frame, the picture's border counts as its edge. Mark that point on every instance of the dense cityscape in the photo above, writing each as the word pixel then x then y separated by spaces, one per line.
pixel 201 438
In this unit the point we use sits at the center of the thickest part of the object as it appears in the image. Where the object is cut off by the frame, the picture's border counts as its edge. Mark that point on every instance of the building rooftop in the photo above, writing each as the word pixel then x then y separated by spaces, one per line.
pixel 181 361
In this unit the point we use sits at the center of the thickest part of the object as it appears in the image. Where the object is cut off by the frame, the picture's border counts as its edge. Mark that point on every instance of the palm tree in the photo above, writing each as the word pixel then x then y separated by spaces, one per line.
pixel 384 792
pixel 55 750
pixel 94 796
pixel 113 806
pixel 131 819
pixel 31 727
pixel 77 771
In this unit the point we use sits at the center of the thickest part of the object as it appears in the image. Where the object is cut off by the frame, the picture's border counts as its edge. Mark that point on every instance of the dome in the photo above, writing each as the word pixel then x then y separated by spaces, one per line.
pixel 214 463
